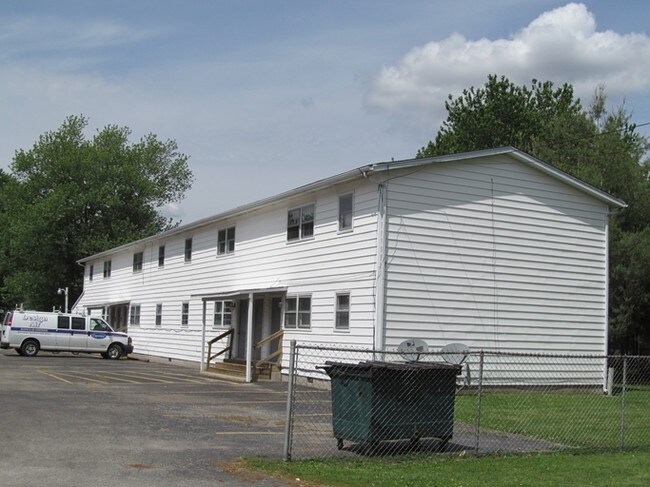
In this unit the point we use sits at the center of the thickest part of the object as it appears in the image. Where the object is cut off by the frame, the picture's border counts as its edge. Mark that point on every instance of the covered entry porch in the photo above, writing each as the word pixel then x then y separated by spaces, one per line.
pixel 242 332
pixel 116 314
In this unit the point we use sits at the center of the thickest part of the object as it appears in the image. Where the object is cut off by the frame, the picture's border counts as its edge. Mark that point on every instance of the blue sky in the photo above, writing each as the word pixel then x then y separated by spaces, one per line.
pixel 267 95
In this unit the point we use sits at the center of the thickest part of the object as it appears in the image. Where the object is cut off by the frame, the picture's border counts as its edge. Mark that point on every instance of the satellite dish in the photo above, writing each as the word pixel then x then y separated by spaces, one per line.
pixel 454 353
pixel 412 348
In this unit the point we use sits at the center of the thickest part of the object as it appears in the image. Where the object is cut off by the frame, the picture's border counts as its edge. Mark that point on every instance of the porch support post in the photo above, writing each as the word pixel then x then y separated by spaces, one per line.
pixel 249 340
pixel 203 366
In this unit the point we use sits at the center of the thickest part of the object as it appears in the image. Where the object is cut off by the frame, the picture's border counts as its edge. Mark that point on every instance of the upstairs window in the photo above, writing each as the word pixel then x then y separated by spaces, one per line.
pixel 297 312
pixel 222 313
pixel 185 314
pixel 137 261
pixel 226 241
pixel 188 249
pixel 300 223
pixel 342 311
pixel 91 271
pixel 345 212
pixel 107 269
pixel 161 256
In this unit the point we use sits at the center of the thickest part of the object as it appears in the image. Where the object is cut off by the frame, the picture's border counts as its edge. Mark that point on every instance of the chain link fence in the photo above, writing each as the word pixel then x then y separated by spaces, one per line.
pixel 349 401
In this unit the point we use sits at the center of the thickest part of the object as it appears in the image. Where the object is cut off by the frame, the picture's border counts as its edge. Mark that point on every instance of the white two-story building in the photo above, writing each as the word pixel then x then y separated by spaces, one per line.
pixel 494 248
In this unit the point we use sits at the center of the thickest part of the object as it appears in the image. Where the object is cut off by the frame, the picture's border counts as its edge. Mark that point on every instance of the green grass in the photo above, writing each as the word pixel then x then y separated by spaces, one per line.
pixel 586 420
pixel 617 469
pixel 579 419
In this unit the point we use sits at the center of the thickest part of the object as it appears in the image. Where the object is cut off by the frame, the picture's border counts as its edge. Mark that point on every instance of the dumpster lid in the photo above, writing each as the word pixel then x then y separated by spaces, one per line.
pixel 376 364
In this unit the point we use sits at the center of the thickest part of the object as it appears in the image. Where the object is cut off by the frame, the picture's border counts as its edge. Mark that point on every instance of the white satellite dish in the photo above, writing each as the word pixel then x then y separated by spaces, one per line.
pixel 412 348
pixel 454 353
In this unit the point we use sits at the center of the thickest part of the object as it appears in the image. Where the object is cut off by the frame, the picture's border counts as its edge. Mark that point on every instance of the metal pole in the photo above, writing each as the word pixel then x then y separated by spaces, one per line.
pixel 249 340
pixel 288 429
pixel 66 299
pixel 204 365
pixel 478 403
pixel 623 404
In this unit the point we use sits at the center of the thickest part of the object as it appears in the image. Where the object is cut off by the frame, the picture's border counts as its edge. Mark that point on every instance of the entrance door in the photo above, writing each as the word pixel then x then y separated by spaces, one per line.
pixel 118 317
pixel 242 324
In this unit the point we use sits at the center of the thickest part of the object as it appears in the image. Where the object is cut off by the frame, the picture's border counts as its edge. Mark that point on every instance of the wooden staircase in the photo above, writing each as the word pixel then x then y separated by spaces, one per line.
pixel 235 369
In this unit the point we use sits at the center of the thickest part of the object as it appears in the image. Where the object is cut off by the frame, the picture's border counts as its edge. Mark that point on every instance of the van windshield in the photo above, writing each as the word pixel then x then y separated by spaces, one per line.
pixel 97 324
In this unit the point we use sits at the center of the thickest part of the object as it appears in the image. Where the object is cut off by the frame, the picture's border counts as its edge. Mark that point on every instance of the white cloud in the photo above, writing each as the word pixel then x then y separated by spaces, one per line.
pixel 41 34
pixel 562 45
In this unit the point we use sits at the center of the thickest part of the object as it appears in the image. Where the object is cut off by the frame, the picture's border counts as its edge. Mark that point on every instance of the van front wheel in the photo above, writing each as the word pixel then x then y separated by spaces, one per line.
pixel 29 348
pixel 114 351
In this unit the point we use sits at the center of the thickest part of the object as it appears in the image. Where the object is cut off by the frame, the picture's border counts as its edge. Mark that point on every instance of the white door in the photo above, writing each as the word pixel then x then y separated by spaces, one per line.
pixel 79 333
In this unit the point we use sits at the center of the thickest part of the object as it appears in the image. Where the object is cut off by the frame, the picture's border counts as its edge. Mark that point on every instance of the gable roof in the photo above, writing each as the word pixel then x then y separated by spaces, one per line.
pixel 367 170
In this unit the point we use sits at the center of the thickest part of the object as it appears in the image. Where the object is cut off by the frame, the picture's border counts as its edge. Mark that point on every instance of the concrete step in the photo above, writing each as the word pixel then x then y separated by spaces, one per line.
pixel 237 370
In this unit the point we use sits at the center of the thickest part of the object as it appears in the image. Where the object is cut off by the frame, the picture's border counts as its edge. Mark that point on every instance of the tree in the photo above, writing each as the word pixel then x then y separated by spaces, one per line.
pixel 601 148
pixel 69 197
pixel 4 181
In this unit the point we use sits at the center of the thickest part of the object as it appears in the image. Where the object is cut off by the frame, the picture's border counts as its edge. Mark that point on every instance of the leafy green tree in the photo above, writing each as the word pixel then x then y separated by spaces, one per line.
pixel 601 148
pixel 69 197
pixel 4 181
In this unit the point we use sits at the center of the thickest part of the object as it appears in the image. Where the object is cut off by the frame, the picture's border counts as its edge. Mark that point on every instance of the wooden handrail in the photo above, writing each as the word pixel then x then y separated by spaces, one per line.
pixel 268 339
pixel 229 333
pixel 278 353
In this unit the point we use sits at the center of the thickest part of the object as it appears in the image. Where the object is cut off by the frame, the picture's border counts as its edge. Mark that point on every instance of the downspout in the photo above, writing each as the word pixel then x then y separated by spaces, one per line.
pixel 249 340
pixel 380 268
pixel 606 304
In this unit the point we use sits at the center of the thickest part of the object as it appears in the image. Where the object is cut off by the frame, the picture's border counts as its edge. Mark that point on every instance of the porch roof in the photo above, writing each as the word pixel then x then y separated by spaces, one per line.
pixel 238 292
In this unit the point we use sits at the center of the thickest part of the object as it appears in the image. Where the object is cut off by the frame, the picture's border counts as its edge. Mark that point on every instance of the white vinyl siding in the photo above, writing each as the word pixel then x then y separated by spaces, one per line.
pixel 319 267
pixel 496 255
pixel 489 252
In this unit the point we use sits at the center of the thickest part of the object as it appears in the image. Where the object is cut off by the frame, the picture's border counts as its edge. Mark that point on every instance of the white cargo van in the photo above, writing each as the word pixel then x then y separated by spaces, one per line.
pixel 27 332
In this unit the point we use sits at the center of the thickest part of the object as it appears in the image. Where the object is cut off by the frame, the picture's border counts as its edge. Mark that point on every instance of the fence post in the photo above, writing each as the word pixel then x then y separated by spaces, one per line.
pixel 478 402
pixel 623 403
pixel 288 426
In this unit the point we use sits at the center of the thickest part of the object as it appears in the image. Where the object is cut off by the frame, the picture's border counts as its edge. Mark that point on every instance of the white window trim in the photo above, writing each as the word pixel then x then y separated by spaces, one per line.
pixel 155 321
pixel 338 222
pixel 222 313
pixel 284 314
pixel 300 237
pixel 131 314
pixel 226 251
pixel 137 271
pixel 185 259
pixel 336 310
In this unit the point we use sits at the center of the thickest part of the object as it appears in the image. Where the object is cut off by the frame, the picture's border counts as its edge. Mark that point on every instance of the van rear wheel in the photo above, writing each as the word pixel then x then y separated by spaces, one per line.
pixel 19 351
pixel 115 351
pixel 30 348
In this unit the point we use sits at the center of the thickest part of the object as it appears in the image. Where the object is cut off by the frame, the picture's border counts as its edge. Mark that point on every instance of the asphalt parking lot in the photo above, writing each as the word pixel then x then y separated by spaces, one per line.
pixel 77 420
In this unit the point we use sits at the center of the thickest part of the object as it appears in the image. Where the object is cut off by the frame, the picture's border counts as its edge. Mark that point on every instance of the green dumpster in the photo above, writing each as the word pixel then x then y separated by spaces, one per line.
pixel 378 401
